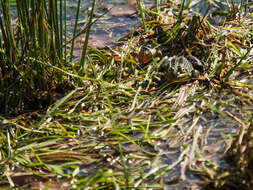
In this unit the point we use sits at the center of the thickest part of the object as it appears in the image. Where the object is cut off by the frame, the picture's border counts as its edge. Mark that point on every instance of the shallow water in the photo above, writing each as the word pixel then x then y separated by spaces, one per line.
pixel 115 26
pixel 214 127
pixel 118 26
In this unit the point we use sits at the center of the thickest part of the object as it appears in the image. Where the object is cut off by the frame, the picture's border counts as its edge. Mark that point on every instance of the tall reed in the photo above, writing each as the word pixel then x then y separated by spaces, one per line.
pixel 39 36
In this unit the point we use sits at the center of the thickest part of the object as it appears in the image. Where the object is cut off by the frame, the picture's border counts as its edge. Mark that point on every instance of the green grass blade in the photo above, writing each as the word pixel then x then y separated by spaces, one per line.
pixel 229 73
pixel 75 27
pixel 59 103
pixel 142 14
pixel 85 46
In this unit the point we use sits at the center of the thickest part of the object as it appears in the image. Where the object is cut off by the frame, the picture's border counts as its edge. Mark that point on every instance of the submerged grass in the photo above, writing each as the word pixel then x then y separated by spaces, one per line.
pixel 122 128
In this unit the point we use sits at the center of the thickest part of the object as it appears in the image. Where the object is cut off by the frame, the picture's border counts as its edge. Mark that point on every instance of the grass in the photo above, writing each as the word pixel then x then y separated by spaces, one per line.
pixel 117 127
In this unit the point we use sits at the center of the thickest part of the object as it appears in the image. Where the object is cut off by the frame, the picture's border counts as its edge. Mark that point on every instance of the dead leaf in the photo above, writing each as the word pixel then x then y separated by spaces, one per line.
pixel 123 10
pixel 132 3
pixel 96 41
pixel 99 41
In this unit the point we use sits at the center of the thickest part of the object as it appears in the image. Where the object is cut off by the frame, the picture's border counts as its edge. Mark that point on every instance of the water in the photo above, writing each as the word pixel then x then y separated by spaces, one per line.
pixel 115 27
pixel 214 127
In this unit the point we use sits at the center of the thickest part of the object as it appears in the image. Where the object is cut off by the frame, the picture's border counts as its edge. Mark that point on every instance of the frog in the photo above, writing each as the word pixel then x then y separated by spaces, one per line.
pixel 181 68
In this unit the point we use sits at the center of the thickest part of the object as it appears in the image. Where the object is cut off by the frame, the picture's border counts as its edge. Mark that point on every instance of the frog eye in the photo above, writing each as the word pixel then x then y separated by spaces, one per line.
pixel 183 70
